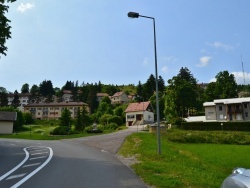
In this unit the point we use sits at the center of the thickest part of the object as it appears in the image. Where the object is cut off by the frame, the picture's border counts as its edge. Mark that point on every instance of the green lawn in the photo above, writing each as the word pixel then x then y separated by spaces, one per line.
pixel 183 164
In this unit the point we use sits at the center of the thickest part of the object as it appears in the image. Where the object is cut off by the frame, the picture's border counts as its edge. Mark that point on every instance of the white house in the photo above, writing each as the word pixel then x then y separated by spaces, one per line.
pixel 139 113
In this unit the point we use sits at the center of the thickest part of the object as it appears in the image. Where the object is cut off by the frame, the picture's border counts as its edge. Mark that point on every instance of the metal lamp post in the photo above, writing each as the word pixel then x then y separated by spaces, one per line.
pixel 137 15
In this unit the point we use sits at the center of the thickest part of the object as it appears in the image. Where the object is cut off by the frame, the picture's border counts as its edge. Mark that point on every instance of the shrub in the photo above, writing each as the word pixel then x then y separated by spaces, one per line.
pixel 61 130
pixel 28 118
pixel 115 119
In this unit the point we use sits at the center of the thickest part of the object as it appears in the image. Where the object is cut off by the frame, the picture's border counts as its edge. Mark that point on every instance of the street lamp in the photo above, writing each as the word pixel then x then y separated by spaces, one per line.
pixel 137 15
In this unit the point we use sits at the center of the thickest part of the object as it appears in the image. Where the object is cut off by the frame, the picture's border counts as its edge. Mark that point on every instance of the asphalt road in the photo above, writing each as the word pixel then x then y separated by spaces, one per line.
pixel 82 162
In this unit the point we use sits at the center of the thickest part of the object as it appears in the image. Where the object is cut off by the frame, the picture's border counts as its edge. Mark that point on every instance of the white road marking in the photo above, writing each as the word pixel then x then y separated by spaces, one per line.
pixel 35 171
pixel 16 176
pixel 29 165
pixel 34 158
pixel 18 166
pixel 38 153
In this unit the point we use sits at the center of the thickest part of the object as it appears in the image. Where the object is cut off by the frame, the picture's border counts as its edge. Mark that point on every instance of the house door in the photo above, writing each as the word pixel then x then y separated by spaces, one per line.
pixel 138 117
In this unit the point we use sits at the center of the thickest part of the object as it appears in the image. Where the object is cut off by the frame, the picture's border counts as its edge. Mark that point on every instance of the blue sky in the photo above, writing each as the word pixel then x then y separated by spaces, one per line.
pixel 94 40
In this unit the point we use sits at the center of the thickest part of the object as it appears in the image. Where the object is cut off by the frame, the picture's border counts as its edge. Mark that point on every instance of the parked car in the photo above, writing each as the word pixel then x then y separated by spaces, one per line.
pixel 240 178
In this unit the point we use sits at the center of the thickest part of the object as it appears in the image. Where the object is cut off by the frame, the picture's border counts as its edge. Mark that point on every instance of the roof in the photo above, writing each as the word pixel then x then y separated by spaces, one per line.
pixel 56 104
pixel 8 116
pixel 139 106
pixel 195 118
pixel 227 101
pixel 102 95
pixel 117 94
pixel 233 100
pixel 208 104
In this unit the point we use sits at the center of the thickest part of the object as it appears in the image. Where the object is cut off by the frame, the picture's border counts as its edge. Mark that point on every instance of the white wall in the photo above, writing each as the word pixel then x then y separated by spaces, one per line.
pixel 6 127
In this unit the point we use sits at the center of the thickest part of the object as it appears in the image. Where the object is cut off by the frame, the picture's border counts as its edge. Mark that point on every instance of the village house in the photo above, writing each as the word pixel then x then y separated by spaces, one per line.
pixel 54 110
pixel 139 113
pixel 119 98
pixel 100 96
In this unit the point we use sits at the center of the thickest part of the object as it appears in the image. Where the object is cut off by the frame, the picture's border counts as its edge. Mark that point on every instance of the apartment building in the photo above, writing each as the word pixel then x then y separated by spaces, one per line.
pixel 54 110
pixel 234 109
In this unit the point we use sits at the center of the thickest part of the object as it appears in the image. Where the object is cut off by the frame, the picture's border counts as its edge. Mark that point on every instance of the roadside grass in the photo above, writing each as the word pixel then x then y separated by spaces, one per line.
pixel 42 132
pixel 194 165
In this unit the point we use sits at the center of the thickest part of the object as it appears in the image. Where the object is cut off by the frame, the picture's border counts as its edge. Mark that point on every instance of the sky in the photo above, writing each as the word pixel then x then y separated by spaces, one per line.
pixel 94 40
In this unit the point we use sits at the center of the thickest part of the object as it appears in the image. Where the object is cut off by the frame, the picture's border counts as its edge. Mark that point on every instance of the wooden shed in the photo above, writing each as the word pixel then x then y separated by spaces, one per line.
pixel 7 120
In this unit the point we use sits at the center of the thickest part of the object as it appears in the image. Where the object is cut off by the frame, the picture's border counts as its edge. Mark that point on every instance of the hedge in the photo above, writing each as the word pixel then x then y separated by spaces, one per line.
pixel 228 126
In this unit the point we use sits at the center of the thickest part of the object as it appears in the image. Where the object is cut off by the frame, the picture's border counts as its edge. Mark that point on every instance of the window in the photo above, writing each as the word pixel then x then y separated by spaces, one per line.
pixel 246 114
pixel 39 109
pixel 51 108
pixel 245 105
pixel 220 108
pixel 130 116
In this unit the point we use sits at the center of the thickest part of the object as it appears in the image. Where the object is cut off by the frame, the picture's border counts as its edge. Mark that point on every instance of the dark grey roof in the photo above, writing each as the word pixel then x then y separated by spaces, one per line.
pixel 7 116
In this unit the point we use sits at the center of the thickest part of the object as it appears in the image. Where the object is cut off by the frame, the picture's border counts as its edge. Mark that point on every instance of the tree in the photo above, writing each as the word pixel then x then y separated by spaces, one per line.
pixel 149 87
pixel 226 86
pixel 161 84
pixel 106 99
pixel 3 97
pixel 15 102
pixel 139 92
pixel 4 26
pixel 65 118
pixel 34 97
pixel 46 88
pixel 183 89
pixel 82 119
pixel 25 88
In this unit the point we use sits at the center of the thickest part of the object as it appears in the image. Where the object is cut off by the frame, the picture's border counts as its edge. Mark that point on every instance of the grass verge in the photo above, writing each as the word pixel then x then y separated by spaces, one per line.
pixel 194 165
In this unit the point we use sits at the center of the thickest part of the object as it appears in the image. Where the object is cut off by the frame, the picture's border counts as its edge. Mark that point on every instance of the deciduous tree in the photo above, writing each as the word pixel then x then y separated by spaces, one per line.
pixel 5 32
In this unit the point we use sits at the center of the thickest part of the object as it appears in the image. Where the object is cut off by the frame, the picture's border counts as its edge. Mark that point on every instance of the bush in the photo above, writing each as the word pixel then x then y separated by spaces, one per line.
pixel 115 119
pixel 28 118
pixel 111 126
pixel 61 130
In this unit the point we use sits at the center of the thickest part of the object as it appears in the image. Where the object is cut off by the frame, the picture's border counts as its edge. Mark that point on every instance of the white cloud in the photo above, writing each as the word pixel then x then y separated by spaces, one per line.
pixel 204 61
pixel 220 45
pixel 165 69
pixel 212 80
pixel 146 61
pixel 24 7
pixel 240 77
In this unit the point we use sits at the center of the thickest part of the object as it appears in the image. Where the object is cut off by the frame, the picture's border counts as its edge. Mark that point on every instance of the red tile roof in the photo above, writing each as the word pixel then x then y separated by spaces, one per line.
pixel 139 106
pixel 118 94
pixel 102 95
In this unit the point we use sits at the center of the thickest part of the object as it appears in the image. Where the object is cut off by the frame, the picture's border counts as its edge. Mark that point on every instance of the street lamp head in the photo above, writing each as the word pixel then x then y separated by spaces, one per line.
pixel 133 15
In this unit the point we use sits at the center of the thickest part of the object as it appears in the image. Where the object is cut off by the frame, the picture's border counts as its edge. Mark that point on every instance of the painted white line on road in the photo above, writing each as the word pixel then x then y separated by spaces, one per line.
pixel 29 165
pixel 16 176
pixel 35 171
pixel 40 150
pixel 18 166
pixel 34 158
pixel 39 153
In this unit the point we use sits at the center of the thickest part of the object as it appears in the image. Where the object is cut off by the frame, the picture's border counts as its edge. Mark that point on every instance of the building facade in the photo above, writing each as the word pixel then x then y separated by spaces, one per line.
pixel 139 113
pixel 54 110
pixel 119 98
pixel 234 109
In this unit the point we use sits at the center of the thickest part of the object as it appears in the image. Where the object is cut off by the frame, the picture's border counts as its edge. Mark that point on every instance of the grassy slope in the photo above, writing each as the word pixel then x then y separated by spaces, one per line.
pixel 183 165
